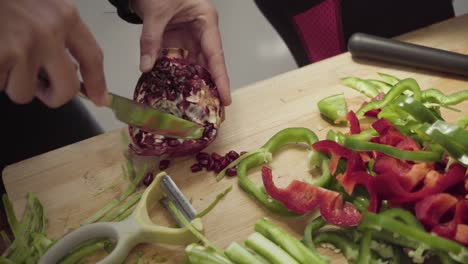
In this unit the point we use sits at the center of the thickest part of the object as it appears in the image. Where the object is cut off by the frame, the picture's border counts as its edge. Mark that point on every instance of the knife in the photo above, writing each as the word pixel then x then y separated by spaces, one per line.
pixel 142 116
pixel 395 51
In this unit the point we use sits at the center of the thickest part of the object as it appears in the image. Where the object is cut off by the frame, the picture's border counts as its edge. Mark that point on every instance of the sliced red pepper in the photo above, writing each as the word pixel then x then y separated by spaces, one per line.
pixel 409 175
pixel 354 127
pixel 374 112
pixel 456 228
pixel 354 162
pixel 388 187
pixel 430 210
pixel 301 197
pixel 389 135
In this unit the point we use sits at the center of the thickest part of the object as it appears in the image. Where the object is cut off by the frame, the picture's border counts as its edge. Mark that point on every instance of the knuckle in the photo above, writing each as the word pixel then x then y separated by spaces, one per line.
pixel 20 97
pixel 69 12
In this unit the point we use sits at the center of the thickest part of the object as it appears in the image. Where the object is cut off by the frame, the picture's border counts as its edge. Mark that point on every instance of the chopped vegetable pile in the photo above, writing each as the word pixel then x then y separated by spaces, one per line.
pixel 394 189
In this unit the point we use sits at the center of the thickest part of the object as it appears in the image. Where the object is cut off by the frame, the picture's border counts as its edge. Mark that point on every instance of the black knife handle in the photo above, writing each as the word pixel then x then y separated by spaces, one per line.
pixel 394 51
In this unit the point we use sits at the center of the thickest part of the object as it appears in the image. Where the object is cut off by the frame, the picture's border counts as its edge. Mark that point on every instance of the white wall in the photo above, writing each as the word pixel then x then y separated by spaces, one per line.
pixel 461 7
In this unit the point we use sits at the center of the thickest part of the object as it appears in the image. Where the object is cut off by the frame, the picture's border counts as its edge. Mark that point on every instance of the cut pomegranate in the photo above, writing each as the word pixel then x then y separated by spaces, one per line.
pixel 181 88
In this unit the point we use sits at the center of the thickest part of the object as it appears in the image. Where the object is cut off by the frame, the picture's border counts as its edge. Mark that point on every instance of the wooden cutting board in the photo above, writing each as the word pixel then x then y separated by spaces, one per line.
pixel 73 182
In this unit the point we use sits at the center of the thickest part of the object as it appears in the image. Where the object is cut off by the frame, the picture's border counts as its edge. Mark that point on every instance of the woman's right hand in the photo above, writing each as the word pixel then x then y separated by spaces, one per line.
pixel 48 35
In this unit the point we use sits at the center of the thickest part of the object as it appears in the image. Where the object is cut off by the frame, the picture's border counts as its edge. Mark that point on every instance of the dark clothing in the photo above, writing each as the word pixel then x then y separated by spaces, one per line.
pixel 124 11
pixel 382 18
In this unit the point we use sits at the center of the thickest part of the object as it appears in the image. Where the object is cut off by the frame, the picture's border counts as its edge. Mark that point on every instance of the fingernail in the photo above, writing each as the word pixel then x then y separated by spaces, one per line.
pixel 146 63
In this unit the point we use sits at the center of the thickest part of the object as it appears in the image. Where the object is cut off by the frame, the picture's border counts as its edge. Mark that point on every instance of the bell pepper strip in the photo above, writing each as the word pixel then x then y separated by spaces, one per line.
pixel 333 108
pixel 358 145
pixel 404 216
pixel 388 187
pixel 455 229
pixel 389 135
pixel 390 79
pixel 395 92
pixel 452 138
pixel 431 209
pixel 383 87
pixel 435 96
pixel 409 175
pixel 325 178
pixel 347 247
pixel 416 109
pixel 300 197
pixel 354 126
pixel 355 173
pixel 463 122
pixel 263 156
pixel 255 191
pixel 365 135
pixel 363 86
pixel 380 222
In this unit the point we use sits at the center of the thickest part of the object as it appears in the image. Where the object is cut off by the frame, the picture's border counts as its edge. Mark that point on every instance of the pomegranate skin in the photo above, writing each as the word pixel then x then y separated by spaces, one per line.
pixel 181 88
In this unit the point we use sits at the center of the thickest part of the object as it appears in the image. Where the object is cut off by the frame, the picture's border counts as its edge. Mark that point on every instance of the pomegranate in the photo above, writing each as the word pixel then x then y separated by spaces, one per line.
pixel 181 88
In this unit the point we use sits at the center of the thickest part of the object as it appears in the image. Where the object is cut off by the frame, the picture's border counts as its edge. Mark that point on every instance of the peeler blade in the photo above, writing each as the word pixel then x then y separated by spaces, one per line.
pixel 175 195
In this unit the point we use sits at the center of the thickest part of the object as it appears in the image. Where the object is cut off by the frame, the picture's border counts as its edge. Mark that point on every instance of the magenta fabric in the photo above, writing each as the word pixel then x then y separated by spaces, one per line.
pixel 321 30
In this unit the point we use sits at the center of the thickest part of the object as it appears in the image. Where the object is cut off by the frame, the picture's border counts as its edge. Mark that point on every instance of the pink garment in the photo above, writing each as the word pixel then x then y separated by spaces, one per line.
pixel 321 30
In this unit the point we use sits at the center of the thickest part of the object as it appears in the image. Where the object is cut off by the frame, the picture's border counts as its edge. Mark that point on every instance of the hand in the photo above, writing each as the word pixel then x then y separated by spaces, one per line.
pixel 47 35
pixel 189 24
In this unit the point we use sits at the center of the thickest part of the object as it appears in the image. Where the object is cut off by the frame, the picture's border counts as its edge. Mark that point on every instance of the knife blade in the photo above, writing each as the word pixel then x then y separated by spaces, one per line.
pixel 142 116
pixel 153 120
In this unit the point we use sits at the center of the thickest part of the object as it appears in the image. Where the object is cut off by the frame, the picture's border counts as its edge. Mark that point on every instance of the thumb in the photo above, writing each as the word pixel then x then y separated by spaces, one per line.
pixel 150 41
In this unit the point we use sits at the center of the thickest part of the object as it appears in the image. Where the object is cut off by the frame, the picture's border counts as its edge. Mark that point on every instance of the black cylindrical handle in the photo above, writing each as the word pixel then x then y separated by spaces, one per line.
pixel 394 51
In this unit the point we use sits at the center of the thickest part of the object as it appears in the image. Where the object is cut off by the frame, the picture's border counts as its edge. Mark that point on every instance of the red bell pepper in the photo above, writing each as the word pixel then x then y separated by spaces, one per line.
pixel 430 210
pixel 301 197
pixel 354 126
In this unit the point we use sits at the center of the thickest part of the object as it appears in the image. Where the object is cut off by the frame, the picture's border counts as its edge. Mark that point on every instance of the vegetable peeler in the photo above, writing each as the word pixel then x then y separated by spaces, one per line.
pixel 136 229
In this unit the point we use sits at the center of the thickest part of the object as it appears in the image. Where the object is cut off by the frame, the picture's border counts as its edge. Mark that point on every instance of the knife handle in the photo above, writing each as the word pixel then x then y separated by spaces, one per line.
pixel 394 51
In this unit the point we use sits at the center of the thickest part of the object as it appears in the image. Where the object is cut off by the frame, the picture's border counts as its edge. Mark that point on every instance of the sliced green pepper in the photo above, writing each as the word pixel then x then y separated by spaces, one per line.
pixel 452 138
pixel 435 96
pixel 358 145
pixel 363 86
pixel 333 108
pixel 416 109
pixel 382 86
pixel 395 92
pixel 381 222
pixel 390 79
pixel 263 156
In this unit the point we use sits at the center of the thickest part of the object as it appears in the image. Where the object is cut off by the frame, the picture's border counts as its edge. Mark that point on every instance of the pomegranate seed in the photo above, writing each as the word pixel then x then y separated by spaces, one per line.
pixel 210 165
pixel 173 142
pixel 217 167
pixel 216 157
pixel 224 163
pixel 196 167
pixel 202 156
pixel 232 156
pixel 164 164
pixel 204 163
pixel 149 177
pixel 231 172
